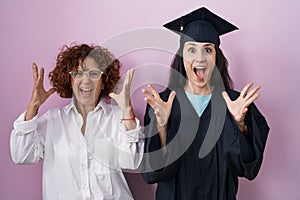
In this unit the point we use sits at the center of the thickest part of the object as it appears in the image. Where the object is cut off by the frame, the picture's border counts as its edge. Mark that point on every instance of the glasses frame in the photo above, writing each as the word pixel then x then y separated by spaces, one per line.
pixel 74 75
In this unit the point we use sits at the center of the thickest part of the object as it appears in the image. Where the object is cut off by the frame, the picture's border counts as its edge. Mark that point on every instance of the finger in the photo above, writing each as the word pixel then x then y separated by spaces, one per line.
pixel 42 71
pixel 252 92
pixel 154 91
pixel 34 71
pixel 127 82
pixel 129 76
pixel 131 73
pixel 252 99
pixel 245 89
pixel 149 98
pixel 171 97
pixel 226 97
pixel 244 111
pixel 148 95
pixel 150 102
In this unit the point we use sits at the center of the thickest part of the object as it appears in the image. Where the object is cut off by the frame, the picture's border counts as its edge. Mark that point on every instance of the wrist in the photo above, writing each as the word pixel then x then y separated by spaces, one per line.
pixel 30 113
pixel 128 119
pixel 243 127
pixel 32 108
pixel 161 127
pixel 128 113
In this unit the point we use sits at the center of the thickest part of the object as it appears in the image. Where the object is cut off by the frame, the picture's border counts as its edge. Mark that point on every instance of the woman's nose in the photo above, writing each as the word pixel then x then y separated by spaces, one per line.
pixel 86 77
pixel 199 57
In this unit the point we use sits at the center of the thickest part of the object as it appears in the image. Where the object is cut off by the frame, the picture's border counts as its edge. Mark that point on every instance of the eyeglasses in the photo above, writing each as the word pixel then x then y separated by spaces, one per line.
pixel 94 74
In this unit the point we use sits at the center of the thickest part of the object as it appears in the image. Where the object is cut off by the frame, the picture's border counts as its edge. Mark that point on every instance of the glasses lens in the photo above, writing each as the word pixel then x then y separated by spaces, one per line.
pixel 79 73
pixel 95 74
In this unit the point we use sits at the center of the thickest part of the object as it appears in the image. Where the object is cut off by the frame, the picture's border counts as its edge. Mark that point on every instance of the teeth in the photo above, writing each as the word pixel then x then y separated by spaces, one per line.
pixel 85 90
pixel 199 67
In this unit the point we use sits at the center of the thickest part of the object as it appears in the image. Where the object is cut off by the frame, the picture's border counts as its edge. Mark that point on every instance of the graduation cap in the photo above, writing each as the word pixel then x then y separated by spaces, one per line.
pixel 200 25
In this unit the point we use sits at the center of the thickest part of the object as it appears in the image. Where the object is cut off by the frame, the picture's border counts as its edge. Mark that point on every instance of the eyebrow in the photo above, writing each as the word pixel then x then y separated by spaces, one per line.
pixel 205 44
pixel 208 44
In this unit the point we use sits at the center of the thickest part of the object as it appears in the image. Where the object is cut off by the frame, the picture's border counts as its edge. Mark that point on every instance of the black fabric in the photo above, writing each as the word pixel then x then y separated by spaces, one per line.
pixel 200 25
pixel 214 177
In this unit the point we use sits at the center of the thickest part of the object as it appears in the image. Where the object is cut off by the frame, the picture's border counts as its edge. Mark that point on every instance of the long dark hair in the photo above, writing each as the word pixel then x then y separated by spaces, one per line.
pixel 177 77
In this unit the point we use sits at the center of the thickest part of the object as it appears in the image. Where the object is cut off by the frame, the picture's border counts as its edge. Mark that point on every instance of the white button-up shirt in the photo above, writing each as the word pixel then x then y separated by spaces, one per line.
pixel 78 166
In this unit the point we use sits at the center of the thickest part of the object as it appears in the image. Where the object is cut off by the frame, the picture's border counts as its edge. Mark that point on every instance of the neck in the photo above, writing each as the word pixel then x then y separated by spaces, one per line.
pixel 198 90
pixel 84 109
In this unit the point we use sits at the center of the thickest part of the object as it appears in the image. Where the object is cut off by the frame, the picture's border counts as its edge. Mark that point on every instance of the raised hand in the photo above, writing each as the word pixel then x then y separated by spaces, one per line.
pixel 239 107
pixel 39 94
pixel 123 98
pixel 161 108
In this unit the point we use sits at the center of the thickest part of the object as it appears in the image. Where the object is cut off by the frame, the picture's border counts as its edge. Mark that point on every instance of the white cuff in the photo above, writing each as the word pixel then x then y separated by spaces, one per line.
pixel 23 127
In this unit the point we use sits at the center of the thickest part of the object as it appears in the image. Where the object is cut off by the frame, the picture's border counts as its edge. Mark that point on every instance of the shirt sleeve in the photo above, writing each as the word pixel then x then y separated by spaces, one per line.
pixel 130 144
pixel 26 140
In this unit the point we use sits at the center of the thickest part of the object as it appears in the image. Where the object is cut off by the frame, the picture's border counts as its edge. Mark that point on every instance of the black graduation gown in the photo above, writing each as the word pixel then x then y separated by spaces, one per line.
pixel 181 173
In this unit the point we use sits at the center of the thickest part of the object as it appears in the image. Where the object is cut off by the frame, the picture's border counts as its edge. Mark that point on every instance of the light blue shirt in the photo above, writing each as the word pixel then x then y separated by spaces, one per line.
pixel 199 102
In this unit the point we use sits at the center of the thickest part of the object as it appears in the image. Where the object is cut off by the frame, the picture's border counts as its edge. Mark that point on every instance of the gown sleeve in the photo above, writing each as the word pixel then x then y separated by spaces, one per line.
pixel 155 166
pixel 245 155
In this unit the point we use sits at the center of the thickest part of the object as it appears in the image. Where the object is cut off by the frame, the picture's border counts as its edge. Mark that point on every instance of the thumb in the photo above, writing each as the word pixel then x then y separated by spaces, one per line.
pixel 171 97
pixel 50 91
pixel 112 95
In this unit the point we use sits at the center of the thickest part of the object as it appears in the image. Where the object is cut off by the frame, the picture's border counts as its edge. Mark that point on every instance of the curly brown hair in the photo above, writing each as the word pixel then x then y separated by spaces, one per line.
pixel 69 59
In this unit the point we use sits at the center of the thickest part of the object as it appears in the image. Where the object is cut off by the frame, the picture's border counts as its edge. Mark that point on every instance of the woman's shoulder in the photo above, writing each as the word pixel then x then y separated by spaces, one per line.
pixel 55 112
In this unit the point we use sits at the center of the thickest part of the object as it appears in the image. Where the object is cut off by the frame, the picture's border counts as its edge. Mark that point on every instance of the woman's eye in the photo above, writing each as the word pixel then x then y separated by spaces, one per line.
pixel 191 50
pixel 208 50
pixel 94 73
pixel 79 72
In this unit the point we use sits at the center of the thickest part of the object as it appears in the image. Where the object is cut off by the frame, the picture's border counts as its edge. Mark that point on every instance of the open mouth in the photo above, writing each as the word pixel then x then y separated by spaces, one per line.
pixel 85 91
pixel 199 71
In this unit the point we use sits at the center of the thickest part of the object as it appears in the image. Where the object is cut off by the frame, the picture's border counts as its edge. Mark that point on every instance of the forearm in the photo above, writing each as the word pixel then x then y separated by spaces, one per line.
pixel 31 111
pixel 162 132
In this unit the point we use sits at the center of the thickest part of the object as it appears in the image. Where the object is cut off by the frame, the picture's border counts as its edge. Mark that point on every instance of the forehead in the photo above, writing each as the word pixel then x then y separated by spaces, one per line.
pixel 199 44
pixel 88 63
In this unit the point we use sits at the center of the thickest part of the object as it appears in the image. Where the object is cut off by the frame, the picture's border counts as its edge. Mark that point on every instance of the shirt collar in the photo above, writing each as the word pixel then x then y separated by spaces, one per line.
pixel 101 105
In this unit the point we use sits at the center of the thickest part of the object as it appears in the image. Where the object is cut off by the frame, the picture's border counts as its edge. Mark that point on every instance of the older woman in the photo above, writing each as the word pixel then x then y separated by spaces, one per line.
pixel 84 145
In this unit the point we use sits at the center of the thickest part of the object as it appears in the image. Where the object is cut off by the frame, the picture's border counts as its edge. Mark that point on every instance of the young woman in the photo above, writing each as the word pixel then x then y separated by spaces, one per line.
pixel 208 135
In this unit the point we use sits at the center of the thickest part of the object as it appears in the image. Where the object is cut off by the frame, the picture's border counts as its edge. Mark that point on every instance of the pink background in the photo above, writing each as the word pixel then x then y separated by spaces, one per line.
pixel 265 50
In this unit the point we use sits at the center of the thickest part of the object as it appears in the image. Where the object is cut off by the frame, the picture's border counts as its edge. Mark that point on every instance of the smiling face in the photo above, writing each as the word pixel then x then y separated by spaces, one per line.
pixel 199 59
pixel 87 89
